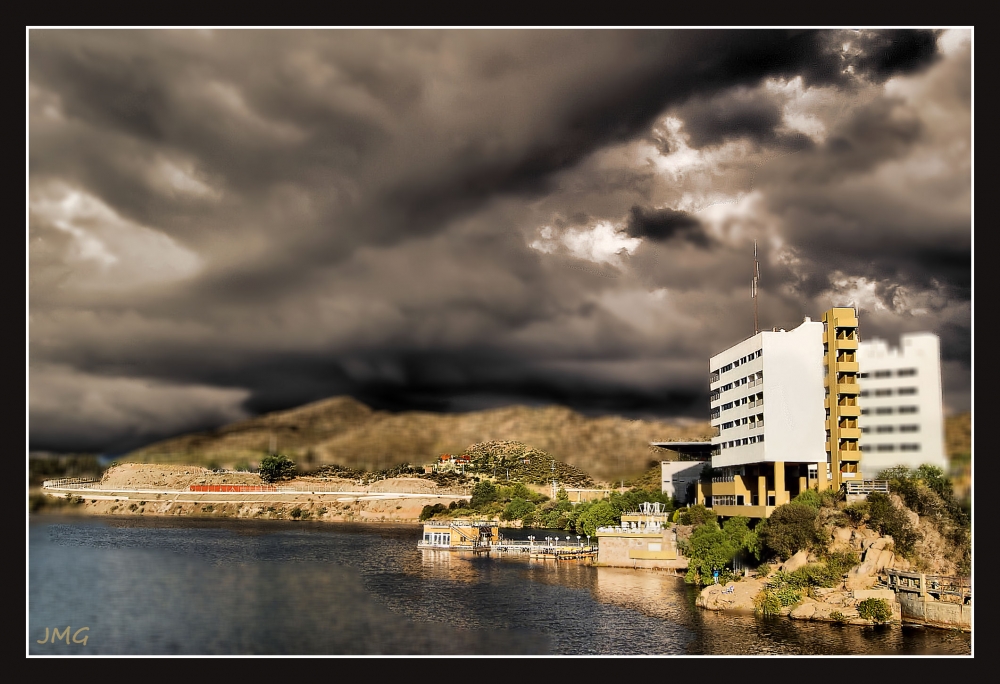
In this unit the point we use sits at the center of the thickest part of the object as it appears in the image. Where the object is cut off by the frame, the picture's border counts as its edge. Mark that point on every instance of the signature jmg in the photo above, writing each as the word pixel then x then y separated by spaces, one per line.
pixel 64 634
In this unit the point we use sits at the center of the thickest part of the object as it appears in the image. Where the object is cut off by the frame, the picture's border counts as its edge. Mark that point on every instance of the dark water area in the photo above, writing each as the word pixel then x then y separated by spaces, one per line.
pixel 159 586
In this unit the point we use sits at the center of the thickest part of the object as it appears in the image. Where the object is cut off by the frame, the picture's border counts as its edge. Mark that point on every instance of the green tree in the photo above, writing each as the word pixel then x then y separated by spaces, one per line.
pixel 709 548
pixel 696 515
pixel 517 509
pixel 791 528
pixel 483 493
pixel 276 467
pixel 600 514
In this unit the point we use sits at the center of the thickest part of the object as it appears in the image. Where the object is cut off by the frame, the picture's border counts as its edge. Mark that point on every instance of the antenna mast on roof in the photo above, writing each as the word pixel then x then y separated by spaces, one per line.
pixel 753 288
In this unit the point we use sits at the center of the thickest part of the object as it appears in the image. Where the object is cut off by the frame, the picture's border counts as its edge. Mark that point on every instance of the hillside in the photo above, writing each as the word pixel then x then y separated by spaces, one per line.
pixel 343 431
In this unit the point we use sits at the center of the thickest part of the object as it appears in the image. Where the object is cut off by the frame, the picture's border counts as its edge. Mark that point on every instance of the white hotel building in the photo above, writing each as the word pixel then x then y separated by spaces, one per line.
pixel 767 405
pixel 903 419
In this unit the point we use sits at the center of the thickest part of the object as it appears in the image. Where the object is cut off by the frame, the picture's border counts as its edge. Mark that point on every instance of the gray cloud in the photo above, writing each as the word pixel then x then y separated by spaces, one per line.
pixel 455 219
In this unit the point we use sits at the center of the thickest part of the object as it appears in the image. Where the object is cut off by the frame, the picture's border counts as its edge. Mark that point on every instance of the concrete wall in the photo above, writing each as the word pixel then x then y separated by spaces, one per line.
pixel 633 551
pixel 915 608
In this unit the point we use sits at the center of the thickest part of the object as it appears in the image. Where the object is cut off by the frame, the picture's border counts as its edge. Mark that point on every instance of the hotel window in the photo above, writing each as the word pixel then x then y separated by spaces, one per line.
pixel 906 372
pixel 909 428
pixel 885 428
pixel 864 430
pixel 883 393
pixel 864 412
pixel 864 393
pixel 906 390
pixel 909 447
pixel 885 447
pixel 907 409
pixel 862 375
pixel 883 374
pixel 884 411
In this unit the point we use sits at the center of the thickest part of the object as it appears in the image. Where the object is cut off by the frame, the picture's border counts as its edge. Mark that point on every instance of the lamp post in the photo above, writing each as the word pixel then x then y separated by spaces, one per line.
pixel 578 540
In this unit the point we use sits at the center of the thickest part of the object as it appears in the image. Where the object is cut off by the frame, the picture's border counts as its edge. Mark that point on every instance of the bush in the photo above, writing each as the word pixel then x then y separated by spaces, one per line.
pixel 696 515
pixel 276 467
pixel 875 609
pixel 517 509
pixel 811 498
pixel 857 512
pixel 885 518
pixel 766 603
pixel 429 512
pixel 296 513
pixel 791 528
pixel 837 616
pixel 482 494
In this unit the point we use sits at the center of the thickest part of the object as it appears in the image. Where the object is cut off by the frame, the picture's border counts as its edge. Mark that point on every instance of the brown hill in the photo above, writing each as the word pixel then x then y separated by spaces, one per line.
pixel 343 431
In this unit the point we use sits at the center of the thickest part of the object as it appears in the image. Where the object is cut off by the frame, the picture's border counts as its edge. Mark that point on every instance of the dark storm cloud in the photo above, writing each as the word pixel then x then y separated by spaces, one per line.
pixel 666 224
pixel 230 222
pixel 731 115
pixel 887 53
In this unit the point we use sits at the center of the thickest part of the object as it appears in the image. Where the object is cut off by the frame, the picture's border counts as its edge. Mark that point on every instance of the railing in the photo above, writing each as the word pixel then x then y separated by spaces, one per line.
pixel 866 487
pixel 935 585
pixel 72 481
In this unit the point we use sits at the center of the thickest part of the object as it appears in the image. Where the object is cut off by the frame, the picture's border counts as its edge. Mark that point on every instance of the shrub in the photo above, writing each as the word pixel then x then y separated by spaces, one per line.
pixel 887 519
pixel 837 616
pixel 296 513
pixel 276 467
pixel 875 609
pixel 696 515
pixel 766 603
pixel 482 494
pixel 857 512
pixel 517 509
pixel 788 595
pixel 790 528
pixel 429 512
pixel 811 498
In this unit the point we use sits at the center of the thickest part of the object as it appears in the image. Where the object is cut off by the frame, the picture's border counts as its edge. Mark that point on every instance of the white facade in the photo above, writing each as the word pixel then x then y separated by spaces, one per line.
pixel 767 399
pixel 902 419
pixel 677 476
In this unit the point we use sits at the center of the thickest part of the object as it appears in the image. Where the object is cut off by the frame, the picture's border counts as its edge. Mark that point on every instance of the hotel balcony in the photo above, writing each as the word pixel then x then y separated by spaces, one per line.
pixel 850 433
pixel 847 366
pixel 846 344
pixel 848 388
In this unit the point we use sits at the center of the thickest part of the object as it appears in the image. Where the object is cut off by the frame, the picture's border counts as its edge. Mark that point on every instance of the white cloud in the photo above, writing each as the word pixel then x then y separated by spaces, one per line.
pixel 601 243
pixel 108 251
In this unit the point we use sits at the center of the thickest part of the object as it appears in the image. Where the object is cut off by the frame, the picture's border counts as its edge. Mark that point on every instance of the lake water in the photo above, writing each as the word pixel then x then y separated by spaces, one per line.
pixel 161 586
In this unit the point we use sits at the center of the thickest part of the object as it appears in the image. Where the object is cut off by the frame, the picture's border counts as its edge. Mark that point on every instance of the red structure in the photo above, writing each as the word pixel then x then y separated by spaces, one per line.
pixel 233 488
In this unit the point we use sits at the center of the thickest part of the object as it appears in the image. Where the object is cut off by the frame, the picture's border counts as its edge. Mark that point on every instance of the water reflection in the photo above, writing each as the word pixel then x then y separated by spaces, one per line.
pixel 171 586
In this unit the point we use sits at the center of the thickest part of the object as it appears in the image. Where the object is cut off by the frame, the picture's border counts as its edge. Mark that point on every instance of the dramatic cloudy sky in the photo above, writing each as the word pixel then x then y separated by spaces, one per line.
pixel 227 222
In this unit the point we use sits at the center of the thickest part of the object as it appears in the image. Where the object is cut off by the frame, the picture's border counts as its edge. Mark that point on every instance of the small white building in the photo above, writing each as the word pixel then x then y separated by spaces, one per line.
pixel 678 477
pixel 901 406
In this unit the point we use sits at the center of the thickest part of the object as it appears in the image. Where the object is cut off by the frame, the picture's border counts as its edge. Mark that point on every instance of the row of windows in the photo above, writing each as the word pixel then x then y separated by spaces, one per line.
pixel 755 421
pixel 743 359
pixel 752 380
pixel 901 373
pixel 752 400
pixel 887 392
pixel 892 428
pixel 890 447
pixel 888 410
pixel 742 442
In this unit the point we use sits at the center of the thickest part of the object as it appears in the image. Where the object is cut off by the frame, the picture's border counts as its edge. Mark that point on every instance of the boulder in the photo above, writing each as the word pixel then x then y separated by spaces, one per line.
pixel 797 561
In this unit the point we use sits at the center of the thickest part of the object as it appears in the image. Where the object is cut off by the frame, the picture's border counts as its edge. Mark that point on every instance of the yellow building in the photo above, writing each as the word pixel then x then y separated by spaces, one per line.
pixel 459 534
pixel 840 401
pixel 644 539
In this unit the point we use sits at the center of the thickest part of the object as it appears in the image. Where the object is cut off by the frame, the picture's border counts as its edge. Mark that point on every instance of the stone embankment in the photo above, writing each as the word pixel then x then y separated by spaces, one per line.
pixel 162 490
pixel 837 604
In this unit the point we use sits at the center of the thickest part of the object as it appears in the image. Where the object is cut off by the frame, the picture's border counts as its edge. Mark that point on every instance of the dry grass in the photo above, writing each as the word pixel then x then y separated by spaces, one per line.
pixel 343 431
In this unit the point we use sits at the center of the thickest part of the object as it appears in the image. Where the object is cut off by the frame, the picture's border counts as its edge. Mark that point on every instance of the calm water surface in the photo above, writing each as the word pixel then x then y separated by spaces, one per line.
pixel 155 586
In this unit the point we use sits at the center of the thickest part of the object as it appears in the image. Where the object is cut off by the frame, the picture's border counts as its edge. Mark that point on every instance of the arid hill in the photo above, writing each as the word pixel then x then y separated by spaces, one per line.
pixel 344 431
